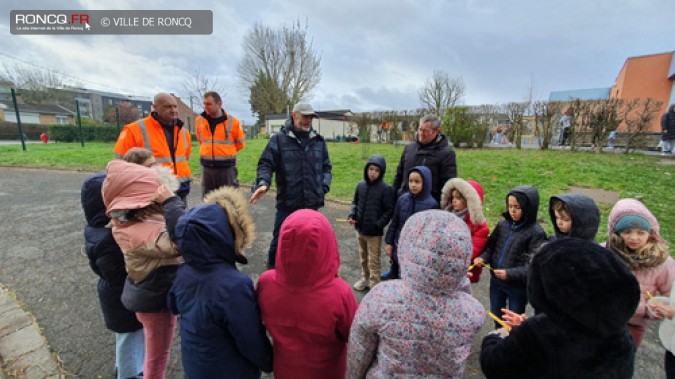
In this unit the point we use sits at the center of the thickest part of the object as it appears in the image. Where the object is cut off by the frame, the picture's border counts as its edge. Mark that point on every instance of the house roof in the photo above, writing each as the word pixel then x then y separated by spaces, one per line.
pixel 671 70
pixel 39 108
pixel 581 94
pixel 337 114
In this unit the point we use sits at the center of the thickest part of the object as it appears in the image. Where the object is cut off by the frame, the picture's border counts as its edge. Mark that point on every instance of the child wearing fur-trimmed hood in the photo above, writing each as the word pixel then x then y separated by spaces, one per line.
pixel 464 198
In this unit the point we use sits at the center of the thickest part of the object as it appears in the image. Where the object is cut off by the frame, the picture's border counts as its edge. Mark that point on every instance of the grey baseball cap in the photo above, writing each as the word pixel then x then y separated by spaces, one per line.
pixel 304 109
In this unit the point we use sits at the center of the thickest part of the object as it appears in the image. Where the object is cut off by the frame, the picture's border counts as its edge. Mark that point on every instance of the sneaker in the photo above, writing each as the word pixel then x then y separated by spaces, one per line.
pixel 361 285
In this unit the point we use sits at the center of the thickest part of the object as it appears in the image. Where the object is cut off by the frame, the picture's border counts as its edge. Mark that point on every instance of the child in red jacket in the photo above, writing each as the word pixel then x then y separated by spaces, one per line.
pixel 465 199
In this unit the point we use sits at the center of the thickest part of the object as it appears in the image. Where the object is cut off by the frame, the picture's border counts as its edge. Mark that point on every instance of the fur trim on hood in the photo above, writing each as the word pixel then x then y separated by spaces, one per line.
pixel 471 191
pixel 236 208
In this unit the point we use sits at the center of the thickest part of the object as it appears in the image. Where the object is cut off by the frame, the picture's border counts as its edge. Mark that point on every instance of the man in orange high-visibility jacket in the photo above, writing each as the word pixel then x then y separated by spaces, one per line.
pixel 220 138
pixel 163 134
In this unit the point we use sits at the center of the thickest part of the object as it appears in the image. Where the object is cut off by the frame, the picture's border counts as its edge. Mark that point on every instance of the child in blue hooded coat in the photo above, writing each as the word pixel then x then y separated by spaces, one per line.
pixel 222 335
pixel 417 199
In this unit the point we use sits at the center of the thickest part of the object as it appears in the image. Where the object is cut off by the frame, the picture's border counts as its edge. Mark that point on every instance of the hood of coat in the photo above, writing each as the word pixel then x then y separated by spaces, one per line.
pixel 577 283
pixel 307 254
pixel 471 191
pixel 92 201
pixel 434 252
pixel 635 207
pixel 426 181
pixel 204 236
pixel 584 212
pixel 528 198
pixel 440 141
pixel 236 208
pixel 128 186
pixel 378 161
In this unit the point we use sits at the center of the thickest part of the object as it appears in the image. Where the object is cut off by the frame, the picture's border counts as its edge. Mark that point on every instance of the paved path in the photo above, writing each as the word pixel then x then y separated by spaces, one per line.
pixel 41 239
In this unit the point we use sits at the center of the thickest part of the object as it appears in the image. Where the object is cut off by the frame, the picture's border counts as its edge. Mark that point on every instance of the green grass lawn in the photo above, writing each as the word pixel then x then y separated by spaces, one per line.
pixel 498 170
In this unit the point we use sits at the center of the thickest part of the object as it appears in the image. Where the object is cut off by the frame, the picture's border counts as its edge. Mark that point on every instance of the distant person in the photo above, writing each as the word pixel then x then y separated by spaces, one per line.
pixel 509 249
pixel 221 331
pixel 305 306
pixel 422 325
pixel 416 200
pixel 163 134
pixel 107 261
pixel 220 138
pixel 634 237
pixel 464 198
pixel 585 296
pixel 668 130
pixel 144 211
pixel 432 150
pixel 574 215
pixel 372 208
pixel 611 139
pixel 566 125
pixel 297 156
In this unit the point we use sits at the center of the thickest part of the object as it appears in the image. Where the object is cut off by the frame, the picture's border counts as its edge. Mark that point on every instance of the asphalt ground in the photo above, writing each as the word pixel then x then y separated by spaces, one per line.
pixel 42 262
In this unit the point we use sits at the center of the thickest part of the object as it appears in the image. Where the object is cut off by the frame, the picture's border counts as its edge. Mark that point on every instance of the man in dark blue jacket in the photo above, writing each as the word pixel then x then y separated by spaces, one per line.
pixel 297 154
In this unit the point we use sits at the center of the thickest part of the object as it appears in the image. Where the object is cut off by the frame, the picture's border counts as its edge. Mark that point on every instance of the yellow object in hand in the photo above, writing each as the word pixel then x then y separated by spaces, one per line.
pixel 499 321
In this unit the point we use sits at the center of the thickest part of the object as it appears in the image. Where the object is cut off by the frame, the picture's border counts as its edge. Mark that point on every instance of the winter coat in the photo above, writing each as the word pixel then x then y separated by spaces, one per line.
pixel 585 295
pixel 221 331
pixel 373 202
pixel 421 325
pixel 105 258
pixel 473 193
pixel 657 279
pixel 436 155
pixel 146 245
pixel 584 213
pixel 668 124
pixel 305 306
pixel 408 204
pixel 302 172
pixel 667 328
pixel 511 246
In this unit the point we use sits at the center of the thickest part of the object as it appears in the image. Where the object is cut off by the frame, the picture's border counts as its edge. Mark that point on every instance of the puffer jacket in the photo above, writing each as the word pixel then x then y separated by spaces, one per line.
pixel 221 331
pixel 147 245
pixel 585 296
pixel 422 325
pixel 436 155
pixel 512 245
pixel 373 202
pixel 305 306
pixel 473 193
pixel 668 123
pixel 105 258
pixel 408 204
pixel 302 173
pixel 584 213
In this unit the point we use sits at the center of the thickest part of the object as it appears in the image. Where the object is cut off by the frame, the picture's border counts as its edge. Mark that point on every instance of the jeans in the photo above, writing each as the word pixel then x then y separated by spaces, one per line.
pixel 668 146
pixel 500 292
pixel 129 352
pixel 279 218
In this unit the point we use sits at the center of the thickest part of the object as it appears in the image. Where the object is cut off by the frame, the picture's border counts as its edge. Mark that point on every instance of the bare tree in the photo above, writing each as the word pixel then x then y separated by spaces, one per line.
pixel 485 115
pixel 515 112
pixel 279 61
pixel 36 85
pixel 196 85
pixel 637 116
pixel 544 113
pixel 441 92
pixel 128 112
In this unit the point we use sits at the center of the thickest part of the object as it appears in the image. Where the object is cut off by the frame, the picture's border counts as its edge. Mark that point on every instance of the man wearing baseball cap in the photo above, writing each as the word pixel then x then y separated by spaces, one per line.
pixel 298 156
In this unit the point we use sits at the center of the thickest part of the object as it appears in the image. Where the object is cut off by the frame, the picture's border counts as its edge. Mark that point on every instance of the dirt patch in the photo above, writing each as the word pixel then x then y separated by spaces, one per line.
pixel 599 195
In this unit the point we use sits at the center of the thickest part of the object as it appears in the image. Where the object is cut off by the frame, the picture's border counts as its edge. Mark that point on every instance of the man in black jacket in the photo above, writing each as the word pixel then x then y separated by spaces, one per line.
pixel 298 157
pixel 432 150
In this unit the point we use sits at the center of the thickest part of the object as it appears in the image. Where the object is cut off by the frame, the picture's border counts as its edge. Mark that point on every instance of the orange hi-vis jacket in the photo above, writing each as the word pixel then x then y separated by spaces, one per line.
pixel 148 133
pixel 219 149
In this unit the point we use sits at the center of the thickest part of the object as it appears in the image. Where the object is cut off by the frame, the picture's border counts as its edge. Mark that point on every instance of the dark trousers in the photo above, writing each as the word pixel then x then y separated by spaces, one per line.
pixel 500 292
pixel 670 365
pixel 565 136
pixel 216 177
pixel 279 218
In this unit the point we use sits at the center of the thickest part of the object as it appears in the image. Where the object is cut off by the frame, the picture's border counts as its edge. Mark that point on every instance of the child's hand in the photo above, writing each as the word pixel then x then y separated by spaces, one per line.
pixel 661 310
pixel 387 250
pixel 511 318
pixel 163 193
pixel 500 274
pixel 351 221
pixel 478 261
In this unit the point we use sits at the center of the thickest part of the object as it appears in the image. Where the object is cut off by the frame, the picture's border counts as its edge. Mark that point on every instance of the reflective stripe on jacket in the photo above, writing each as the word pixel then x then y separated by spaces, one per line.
pixel 223 144
pixel 148 133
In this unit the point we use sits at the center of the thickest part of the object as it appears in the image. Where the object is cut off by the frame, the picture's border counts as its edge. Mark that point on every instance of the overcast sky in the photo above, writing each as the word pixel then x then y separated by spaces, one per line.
pixel 375 55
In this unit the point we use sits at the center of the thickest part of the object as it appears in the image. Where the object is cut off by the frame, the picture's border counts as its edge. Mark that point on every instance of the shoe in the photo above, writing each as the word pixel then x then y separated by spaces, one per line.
pixel 392 273
pixel 361 285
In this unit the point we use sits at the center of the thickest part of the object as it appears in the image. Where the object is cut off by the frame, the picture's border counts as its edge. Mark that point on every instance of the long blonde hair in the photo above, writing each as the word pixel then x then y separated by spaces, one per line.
pixel 652 254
